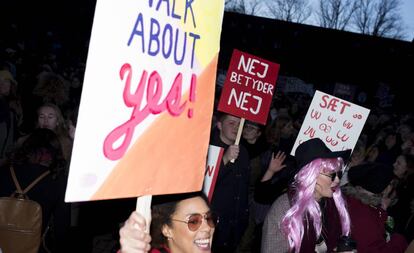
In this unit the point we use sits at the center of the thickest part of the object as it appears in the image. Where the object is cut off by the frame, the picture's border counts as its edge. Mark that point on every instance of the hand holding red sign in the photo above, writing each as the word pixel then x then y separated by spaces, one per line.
pixel 232 153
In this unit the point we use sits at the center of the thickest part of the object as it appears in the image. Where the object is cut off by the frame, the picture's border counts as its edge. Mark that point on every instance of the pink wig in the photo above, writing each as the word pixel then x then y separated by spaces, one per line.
pixel 305 206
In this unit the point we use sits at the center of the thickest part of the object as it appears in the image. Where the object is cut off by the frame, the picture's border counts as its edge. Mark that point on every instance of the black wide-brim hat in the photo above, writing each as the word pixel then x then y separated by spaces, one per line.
pixel 315 148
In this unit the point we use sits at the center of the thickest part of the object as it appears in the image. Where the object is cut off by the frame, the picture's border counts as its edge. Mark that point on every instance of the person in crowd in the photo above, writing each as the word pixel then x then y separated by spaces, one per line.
pixel 271 185
pixel 312 215
pixel 49 116
pixel 407 147
pixel 279 166
pixel 390 148
pixel 401 211
pixel 254 141
pixel 405 129
pixel 10 114
pixel 369 194
pixel 9 92
pixel 281 134
pixel 6 130
pixel 403 166
pixel 41 152
pixel 357 158
pixel 230 197
pixel 372 153
pixel 180 223
pixel 51 88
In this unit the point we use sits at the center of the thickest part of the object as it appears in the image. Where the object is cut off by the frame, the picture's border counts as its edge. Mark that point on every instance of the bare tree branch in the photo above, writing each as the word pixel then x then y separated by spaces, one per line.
pixel 362 17
pixel 336 14
pixel 380 18
pixel 290 10
pixel 250 7
pixel 235 6
pixel 254 7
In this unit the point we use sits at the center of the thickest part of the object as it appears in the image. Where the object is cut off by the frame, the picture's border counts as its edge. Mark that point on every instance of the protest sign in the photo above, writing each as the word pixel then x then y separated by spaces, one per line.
pixel 147 99
pixel 249 87
pixel 215 154
pixel 335 121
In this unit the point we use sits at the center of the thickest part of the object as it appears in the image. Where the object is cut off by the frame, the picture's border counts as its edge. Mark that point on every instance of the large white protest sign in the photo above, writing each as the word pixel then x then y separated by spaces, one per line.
pixel 147 99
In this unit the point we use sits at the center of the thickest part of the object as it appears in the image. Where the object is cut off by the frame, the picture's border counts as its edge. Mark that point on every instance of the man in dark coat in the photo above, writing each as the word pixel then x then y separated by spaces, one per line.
pixel 230 199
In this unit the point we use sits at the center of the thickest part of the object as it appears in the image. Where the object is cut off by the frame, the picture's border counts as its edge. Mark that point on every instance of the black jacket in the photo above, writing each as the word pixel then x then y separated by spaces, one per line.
pixel 230 197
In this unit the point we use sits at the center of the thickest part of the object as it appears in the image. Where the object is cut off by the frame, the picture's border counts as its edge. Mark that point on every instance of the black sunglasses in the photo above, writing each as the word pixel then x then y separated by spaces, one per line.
pixel 194 221
pixel 333 175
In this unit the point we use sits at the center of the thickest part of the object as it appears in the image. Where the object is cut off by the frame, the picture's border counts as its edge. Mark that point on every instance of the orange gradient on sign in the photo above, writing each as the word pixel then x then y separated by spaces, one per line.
pixel 160 165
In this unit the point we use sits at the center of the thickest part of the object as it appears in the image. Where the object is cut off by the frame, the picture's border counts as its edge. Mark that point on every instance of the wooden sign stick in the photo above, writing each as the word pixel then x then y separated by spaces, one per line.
pixel 239 133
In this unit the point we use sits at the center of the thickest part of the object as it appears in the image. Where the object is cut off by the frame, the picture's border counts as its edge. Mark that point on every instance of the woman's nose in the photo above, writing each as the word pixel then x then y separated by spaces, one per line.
pixel 205 226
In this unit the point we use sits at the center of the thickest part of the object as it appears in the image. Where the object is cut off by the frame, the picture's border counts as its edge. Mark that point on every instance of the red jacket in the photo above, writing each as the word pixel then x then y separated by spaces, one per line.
pixel 368 229
pixel 153 250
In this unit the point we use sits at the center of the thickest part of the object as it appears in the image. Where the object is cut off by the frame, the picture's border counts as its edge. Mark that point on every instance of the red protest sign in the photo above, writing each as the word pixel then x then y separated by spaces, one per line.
pixel 249 87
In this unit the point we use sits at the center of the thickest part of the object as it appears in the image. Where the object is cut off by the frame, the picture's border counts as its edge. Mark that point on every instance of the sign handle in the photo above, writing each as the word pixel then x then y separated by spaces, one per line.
pixel 144 208
pixel 239 133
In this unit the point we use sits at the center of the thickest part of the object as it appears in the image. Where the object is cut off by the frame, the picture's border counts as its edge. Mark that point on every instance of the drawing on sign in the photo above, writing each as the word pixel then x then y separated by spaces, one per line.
pixel 335 121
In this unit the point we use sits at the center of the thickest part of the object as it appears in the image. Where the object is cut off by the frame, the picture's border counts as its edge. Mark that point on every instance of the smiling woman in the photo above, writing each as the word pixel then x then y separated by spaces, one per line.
pixel 180 223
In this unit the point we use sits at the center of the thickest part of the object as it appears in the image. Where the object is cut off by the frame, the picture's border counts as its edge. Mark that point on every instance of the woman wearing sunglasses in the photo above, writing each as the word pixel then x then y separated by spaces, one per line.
pixel 181 223
pixel 311 216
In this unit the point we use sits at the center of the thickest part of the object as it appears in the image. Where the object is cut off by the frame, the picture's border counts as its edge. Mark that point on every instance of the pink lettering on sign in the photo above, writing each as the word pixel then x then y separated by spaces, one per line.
pixel 331 119
pixel 342 137
pixel 347 124
pixel 331 141
pixel 310 131
pixel 325 128
pixel 332 104
pixel 171 103
pixel 357 116
pixel 315 114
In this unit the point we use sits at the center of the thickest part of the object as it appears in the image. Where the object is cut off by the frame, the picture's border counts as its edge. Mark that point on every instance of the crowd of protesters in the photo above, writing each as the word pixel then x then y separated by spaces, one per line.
pixel 377 185
pixel 40 89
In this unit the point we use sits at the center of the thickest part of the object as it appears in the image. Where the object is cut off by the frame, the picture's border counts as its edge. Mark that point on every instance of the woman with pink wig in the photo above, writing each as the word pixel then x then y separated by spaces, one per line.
pixel 311 216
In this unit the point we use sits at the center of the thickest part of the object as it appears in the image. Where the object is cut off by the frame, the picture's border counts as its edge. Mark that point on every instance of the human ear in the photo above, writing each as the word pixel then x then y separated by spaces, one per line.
pixel 219 125
pixel 166 231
